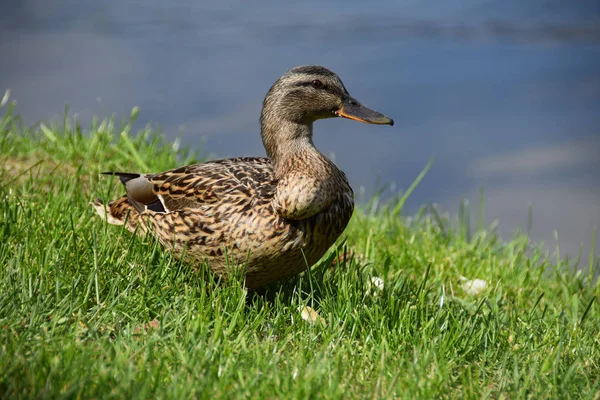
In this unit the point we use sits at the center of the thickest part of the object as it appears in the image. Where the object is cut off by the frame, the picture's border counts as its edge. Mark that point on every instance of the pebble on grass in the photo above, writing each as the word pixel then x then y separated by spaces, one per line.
pixel 474 286
pixel 311 316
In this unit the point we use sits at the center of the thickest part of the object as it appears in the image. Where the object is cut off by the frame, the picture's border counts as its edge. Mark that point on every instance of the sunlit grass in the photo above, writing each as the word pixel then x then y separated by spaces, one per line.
pixel 88 310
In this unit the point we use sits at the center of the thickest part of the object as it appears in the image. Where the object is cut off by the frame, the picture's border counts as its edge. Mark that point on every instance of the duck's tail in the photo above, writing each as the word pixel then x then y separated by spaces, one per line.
pixel 119 212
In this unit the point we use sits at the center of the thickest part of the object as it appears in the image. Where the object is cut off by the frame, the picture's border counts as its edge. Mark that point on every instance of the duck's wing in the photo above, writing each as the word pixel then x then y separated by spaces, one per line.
pixel 238 181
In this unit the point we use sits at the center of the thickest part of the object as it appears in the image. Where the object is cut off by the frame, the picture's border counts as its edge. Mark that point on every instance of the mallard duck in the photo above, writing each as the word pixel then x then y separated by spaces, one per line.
pixel 275 216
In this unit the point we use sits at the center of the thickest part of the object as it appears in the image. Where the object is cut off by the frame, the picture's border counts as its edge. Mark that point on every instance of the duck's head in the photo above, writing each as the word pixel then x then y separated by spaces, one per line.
pixel 307 93
pixel 300 97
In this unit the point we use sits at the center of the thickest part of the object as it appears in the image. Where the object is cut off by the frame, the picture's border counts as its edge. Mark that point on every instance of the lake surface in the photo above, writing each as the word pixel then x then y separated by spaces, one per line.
pixel 504 95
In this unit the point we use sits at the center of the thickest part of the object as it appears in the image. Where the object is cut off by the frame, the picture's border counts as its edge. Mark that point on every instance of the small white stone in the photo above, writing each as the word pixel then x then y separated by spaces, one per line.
pixel 475 286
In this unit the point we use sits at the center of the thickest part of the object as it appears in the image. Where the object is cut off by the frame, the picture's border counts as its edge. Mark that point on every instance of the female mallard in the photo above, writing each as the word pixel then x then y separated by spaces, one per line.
pixel 276 216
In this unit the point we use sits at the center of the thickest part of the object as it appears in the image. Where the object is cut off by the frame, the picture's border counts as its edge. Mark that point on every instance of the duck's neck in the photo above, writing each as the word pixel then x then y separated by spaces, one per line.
pixel 284 139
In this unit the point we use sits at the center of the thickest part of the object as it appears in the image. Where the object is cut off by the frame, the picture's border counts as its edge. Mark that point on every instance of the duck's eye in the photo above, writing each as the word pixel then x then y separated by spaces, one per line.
pixel 316 84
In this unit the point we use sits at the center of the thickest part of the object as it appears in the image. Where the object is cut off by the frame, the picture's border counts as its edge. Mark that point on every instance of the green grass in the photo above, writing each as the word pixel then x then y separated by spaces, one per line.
pixel 89 311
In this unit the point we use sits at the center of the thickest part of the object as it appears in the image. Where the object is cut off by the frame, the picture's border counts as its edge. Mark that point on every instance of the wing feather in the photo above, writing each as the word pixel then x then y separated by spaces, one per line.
pixel 237 180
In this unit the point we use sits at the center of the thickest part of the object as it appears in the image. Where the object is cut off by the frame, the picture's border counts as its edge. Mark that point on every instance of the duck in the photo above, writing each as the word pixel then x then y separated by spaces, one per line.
pixel 273 216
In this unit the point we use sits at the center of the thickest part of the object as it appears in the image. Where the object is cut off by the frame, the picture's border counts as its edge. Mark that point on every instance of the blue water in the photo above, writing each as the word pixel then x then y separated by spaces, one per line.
pixel 504 95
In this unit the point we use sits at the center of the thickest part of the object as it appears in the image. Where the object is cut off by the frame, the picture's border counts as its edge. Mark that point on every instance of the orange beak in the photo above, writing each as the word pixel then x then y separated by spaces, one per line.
pixel 352 109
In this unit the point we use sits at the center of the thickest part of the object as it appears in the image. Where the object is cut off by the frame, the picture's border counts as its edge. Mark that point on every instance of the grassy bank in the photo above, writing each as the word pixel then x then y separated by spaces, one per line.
pixel 87 310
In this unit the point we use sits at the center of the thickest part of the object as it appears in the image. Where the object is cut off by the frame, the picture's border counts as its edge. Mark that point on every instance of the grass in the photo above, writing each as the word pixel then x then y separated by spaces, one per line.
pixel 89 311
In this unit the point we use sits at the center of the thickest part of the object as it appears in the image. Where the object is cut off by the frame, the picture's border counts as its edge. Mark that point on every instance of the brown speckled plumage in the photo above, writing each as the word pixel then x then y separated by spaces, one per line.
pixel 276 215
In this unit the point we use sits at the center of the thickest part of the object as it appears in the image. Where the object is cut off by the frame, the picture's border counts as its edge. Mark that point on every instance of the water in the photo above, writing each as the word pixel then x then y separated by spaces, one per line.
pixel 503 95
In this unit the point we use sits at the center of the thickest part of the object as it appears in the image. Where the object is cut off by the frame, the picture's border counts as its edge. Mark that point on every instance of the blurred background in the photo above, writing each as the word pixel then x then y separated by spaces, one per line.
pixel 503 94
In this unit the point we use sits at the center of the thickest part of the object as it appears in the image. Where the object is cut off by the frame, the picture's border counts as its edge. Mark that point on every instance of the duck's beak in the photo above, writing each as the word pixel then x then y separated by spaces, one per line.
pixel 352 109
